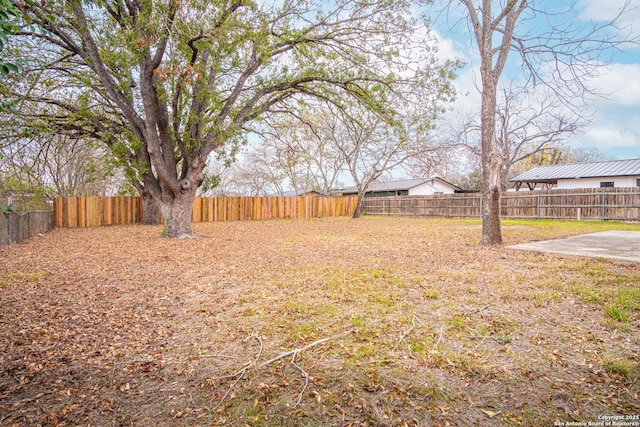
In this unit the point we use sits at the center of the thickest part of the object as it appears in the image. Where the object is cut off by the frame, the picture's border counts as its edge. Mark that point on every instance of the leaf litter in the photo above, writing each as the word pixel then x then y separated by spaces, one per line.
pixel 116 326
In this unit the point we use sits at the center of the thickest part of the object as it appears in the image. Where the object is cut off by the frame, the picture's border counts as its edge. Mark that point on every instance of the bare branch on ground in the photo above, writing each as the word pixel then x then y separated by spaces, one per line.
pixel 293 353
pixel 414 321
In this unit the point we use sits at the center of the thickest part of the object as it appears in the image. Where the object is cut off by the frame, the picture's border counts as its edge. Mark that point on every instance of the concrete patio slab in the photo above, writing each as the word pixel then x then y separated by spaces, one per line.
pixel 621 246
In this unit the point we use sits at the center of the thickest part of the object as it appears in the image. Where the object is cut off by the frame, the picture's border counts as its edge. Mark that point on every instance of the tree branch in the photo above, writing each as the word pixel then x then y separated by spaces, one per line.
pixel 293 353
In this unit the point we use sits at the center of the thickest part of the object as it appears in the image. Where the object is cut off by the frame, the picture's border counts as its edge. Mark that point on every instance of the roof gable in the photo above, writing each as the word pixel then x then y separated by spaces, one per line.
pixel 629 167
pixel 400 185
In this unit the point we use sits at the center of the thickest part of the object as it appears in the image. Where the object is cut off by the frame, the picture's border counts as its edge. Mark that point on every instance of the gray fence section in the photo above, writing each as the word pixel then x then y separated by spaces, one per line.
pixel 621 204
pixel 17 227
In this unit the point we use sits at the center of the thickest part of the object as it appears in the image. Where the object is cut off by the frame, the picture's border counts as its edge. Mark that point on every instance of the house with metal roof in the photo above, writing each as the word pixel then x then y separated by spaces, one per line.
pixel 613 173
pixel 406 187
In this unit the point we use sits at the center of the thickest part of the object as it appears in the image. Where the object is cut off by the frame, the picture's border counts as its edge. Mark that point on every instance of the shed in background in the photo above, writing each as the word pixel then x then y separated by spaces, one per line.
pixel 612 173
pixel 407 187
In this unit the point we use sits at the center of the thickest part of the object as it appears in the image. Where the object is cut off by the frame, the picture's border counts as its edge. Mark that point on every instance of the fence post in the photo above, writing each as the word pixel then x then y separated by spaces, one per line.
pixel 604 201
pixel 415 206
pixel 20 227
pixel 538 206
pixel 446 206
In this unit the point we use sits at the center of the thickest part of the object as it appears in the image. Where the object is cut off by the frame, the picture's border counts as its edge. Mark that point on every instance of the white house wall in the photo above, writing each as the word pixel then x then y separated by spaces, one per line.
pixel 623 181
pixel 431 187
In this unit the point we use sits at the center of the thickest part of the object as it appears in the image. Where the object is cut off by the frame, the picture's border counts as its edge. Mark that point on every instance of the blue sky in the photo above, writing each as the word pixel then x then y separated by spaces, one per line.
pixel 615 126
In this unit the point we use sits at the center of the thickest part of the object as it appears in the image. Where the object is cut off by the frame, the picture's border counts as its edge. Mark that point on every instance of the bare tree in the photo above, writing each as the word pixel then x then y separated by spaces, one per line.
pixel 285 152
pixel 587 155
pixel 309 161
pixel 258 171
pixel 445 158
pixel 563 56
pixel 45 167
pixel 372 145
pixel 528 122
pixel 261 172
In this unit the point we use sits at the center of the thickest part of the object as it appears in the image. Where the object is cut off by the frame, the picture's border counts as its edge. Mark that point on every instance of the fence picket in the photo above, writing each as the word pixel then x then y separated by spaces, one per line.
pixel 593 203
pixel 96 211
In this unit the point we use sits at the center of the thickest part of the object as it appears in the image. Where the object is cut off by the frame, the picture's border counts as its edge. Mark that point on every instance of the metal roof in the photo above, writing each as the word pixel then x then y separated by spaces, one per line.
pixel 629 167
pixel 404 184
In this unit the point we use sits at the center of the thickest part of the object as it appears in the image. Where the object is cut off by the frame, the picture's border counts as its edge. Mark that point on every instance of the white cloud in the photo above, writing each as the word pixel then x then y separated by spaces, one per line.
pixel 627 25
pixel 469 98
pixel 468 95
pixel 616 127
pixel 622 85
pixel 610 135
pixel 602 11
pixel 618 138
pixel 446 48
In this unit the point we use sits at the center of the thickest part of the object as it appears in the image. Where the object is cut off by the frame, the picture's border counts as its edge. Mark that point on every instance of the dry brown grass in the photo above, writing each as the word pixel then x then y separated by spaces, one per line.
pixel 443 331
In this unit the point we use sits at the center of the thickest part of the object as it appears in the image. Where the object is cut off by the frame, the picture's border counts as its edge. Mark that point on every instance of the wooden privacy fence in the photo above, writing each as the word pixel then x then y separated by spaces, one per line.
pixel 97 211
pixel 622 204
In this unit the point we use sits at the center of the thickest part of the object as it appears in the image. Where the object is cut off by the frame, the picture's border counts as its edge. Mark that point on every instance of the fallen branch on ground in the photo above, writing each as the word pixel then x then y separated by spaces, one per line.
pixel 293 353
pixel 306 379
pixel 413 325
pixel 219 356
pixel 435 346
pixel 306 347
pixel 241 372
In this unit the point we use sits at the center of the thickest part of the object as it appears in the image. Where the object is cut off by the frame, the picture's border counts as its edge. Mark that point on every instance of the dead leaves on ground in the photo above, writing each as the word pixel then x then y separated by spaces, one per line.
pixel 446 333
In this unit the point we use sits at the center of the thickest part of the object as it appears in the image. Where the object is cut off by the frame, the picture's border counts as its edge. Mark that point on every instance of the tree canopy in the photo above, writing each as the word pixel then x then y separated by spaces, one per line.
pixel 166 83
pixel 8 14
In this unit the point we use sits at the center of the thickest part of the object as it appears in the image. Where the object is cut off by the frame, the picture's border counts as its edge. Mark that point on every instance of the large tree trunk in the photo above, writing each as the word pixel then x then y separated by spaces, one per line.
pixel 492 174
pixel 176 215
pixel 491 227
pixel 150 210
pixel 357 213
pixel 492 179
pixel 491 155
pixel 491 162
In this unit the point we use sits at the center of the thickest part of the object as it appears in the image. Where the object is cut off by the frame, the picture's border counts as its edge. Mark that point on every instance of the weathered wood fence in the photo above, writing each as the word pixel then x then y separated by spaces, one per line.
pixel 19 226
pixel 622 204
pixel 97 211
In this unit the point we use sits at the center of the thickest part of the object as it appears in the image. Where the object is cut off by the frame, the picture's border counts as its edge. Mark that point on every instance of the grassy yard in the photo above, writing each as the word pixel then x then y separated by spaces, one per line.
pixel 327 322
